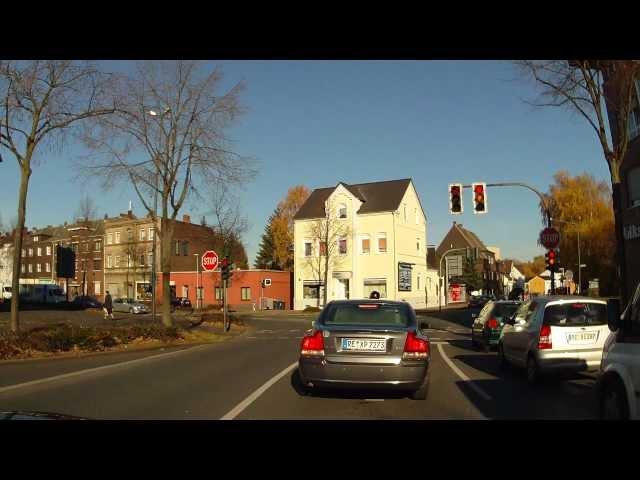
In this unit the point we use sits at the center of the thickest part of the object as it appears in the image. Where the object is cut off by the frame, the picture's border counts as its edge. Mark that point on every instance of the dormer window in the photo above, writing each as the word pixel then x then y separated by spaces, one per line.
pixel 342 211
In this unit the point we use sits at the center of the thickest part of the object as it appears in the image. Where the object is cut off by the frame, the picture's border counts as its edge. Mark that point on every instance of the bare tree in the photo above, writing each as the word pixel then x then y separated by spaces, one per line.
pixel 41 102
pixel 167 139
pixel 603 92
pixel 326 233
pixel 87 210
pixel 229 222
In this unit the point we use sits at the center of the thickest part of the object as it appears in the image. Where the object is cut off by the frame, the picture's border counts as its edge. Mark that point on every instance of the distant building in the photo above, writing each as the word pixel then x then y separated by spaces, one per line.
pixel 496 252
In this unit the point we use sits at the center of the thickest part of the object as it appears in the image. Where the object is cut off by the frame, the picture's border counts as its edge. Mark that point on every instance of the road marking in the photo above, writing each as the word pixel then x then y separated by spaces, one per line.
pixel 95 369
pixel 461 374
pixel 374 399
pixel 294 331
pixel 238 409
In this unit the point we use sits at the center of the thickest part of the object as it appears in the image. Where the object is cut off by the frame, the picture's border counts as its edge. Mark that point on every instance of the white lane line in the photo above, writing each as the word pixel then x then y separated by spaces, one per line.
pixel 88 371
pixel 238 409
pixel 294 331
pixel 461 374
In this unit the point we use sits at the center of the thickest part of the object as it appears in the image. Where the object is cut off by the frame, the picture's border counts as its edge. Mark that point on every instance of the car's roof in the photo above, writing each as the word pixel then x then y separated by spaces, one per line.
pixel 570 298
pixel 381 301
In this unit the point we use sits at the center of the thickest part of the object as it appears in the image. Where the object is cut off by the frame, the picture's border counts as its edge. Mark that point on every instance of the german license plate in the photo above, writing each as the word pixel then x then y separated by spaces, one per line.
pixel 364 345
pixel 589 337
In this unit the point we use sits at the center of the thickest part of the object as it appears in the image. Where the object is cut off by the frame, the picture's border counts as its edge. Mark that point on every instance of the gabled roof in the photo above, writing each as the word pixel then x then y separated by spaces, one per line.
pixel 375 197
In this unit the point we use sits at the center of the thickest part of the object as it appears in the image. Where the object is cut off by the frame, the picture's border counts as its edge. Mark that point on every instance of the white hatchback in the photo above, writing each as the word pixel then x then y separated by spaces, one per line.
pixel 555 334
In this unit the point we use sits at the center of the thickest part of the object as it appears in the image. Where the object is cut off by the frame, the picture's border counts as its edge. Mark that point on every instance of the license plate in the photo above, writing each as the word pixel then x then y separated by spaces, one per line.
pixel 364 345
pixel 581 337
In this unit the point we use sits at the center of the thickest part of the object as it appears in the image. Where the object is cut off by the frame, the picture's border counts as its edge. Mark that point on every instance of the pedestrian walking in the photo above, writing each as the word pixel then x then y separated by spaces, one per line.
pixel 108 306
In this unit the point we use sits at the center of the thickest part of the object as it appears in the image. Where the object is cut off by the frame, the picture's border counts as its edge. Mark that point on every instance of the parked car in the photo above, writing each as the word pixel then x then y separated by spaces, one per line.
pixel 179 302
pixel 618 385
pixel 358 344
pixel 129 305
pixel 488 324
pixel 85 301
pixel 555 334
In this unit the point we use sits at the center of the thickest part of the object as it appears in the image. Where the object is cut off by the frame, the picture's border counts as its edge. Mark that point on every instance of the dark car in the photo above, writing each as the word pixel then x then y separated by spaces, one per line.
pixel 181 302
pixel 487 326
pixel 85 301
pixel 366 344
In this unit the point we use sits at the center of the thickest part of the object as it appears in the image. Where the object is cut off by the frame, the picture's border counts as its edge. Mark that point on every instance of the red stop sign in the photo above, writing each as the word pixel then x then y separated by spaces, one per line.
pixel 550 238
pixel 209 260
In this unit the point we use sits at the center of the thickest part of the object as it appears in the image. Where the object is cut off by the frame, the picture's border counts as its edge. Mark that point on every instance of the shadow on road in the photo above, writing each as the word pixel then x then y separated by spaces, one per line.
pixel 296 384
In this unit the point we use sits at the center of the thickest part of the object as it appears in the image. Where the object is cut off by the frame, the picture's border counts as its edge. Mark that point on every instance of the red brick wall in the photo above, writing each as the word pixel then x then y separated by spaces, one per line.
pixel 280 288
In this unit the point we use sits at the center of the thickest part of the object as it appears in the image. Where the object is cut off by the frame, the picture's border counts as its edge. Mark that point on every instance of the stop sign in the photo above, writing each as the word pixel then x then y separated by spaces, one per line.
pixel 550 238
pixel 209 260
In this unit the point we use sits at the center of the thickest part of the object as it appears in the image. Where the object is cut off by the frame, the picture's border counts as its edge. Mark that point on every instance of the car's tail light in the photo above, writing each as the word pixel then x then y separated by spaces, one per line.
pixel 492 323
pixel 415 348
pixel 312 345
pixel 544 342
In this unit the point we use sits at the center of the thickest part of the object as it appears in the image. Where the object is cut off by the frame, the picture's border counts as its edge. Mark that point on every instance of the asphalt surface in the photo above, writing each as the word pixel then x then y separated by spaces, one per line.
pixel 251 377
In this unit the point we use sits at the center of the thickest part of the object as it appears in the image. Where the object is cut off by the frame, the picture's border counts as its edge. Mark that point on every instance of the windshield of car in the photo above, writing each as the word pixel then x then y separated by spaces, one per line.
pixel 368 314
pixel 578 314
pixel 505 310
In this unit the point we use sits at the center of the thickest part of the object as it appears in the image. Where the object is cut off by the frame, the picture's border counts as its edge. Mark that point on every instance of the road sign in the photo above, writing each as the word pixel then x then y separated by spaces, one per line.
pixel 209 261
pixel 550 238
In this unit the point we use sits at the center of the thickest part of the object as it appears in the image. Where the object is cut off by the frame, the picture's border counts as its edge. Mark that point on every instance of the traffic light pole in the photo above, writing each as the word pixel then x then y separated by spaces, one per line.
pixel 543 201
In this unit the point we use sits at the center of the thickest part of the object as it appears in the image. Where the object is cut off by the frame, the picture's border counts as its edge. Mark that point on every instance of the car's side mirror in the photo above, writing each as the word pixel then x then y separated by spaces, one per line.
pixel 613 314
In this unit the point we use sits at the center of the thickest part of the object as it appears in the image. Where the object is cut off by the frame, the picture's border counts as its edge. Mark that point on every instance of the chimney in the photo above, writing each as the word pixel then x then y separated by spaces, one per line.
pixel 130 208
pixel 186 218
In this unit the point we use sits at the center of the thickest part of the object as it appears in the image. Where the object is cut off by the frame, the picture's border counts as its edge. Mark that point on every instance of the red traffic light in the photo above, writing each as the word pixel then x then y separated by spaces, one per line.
pixel 479 198
pixel 455 198
pixel 455 190
pixel 479 189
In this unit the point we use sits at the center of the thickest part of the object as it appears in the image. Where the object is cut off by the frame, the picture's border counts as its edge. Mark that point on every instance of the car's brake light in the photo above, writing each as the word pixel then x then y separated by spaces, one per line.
pixel 312 345
pixel 492 323
pixel 415 348
pixel 544 342
pixel 369 306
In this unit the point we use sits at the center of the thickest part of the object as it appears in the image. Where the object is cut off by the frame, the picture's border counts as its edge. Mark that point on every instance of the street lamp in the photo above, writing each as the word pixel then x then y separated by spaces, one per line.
pixel 154 113
pixel 580 265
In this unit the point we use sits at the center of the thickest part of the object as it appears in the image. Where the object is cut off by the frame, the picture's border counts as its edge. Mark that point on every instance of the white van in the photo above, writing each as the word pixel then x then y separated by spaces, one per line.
pixel 618 384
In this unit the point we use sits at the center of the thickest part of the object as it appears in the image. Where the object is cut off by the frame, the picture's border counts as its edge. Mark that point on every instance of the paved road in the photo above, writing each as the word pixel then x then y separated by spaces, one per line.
pixel 250 377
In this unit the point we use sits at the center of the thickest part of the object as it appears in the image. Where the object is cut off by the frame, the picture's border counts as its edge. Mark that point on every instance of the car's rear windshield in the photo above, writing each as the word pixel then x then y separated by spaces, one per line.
pixel 504 310
pixel 368 314
pixel 577 314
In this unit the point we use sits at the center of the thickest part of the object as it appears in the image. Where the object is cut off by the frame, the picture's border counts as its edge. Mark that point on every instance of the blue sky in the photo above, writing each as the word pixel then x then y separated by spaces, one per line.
pixel 321 122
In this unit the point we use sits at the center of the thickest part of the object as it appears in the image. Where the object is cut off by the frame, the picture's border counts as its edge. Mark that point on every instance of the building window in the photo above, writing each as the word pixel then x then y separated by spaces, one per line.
pixel 129 235
pixel 375 285
pixel 150 237
pixel 109 261
pixel 185 248
pixel 31 252
pixel 307 249
pixel 23 252
pixel 96 288
pixel 142 232
pixel 245 293
pixel 74 247
pixel 323 249
pixel 47 267
pixel 634 122
pixel 35 239
pixel 365 244
pixel 418 244
pixel 117 237
pixel 142 255
pixel 218 293
pixel 30 268
pixel 342 211
pixel 117 261
pixel 633 184
pixel 342 246
pixel 382 243
pixel 48 250
pixel 39 251
pixel 38 267
pixel 97 265
pixel 86 246
pixel 109 238
pixel 150 255
pixel 22 268
pixel 418 282
pixel 128 260
pixel 97 246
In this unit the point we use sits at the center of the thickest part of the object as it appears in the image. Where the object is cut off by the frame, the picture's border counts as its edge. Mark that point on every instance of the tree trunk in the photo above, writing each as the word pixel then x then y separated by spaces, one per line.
pixel 166 234
pixel 620 253
pixel 25 174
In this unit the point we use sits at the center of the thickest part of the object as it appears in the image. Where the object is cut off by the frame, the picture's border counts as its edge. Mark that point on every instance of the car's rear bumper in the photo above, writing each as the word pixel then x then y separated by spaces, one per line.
pixel 406 376
pixel 569 360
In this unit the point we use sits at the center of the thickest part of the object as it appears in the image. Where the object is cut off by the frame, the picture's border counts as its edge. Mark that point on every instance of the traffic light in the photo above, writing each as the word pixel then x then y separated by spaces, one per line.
pixel 455 198
pixel 225 268
pixel 551 258
pixel 479 197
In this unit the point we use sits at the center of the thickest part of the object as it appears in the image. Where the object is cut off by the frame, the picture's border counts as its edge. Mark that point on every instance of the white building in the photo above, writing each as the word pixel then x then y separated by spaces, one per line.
pixel 6 261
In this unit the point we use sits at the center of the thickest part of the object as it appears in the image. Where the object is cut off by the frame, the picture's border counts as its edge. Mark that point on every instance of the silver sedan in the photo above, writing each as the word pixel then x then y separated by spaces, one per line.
pixel 129 305
pixel 366 344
